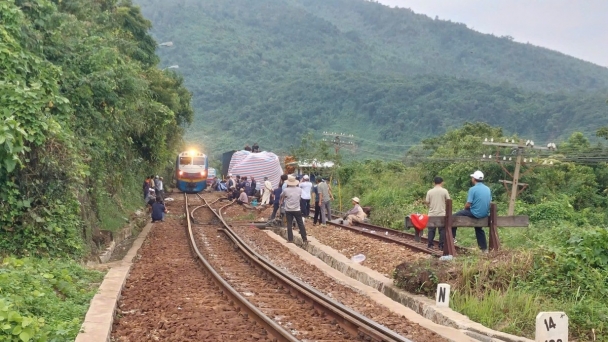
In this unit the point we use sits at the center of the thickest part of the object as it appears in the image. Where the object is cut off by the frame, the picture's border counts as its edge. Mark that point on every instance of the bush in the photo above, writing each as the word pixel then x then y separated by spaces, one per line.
pixel 42 300
pixel 551 211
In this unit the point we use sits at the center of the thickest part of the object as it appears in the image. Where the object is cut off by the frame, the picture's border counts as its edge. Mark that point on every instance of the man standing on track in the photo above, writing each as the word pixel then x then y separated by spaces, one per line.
pixel 146 188
pixel 306 186
pixel 435 199
pixel 160 188
pixel 291 198
pixel 315 191
pixel 477 206
pixel 267 189
pixel 325 196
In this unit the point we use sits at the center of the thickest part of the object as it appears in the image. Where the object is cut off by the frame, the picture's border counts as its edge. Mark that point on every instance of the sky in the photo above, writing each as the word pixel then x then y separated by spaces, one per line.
pixel 575 27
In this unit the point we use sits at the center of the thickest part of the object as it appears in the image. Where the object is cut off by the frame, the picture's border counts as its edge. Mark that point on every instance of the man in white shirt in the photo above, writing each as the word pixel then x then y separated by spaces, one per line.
pixel 306 187
pixel 267 189
pixel 160 190
pixel 290 197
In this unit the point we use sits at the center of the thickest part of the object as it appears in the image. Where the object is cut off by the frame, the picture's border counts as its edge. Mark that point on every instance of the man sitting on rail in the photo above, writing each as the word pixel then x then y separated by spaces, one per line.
pixel 477 206
pixel 356 214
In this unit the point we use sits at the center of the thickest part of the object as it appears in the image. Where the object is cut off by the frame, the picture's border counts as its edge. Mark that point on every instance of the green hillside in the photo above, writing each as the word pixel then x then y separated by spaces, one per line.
pixel 270 70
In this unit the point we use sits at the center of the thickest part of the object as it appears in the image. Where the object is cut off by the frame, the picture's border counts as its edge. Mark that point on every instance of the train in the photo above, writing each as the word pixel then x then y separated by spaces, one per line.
pixel 191 170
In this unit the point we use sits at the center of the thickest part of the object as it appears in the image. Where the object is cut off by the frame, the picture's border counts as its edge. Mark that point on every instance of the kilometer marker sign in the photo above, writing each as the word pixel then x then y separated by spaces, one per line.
pixel 552 327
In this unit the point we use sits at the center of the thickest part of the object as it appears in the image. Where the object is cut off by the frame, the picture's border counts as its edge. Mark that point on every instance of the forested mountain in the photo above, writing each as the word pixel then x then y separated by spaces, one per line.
pixel 269 70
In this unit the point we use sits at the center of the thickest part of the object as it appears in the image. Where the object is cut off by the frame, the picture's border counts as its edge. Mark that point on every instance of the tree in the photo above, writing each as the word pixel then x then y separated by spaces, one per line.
pixel 602 132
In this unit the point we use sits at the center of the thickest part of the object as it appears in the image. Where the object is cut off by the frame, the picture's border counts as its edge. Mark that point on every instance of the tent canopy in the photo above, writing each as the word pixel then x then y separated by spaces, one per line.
pixel 258 165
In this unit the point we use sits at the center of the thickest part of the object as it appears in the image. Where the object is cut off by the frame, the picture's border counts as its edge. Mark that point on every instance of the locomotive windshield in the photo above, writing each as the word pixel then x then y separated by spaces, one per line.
pixel 185 160
pixel 199 161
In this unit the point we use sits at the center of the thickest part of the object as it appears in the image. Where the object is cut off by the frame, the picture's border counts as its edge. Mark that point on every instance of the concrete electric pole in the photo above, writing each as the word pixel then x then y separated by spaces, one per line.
pixel 340 141
pixel 518 149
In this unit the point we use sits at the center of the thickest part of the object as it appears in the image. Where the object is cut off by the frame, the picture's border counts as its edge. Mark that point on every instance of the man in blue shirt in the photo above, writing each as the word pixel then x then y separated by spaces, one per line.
pixel 158 210
pixel 478 206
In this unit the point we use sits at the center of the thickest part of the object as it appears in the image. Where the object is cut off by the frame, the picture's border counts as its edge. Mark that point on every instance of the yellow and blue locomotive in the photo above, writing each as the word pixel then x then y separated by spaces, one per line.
pixel 191 171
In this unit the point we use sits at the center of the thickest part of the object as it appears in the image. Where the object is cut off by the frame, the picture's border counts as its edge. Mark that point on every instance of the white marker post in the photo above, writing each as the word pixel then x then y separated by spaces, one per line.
pixel 552 327
pixel 443 295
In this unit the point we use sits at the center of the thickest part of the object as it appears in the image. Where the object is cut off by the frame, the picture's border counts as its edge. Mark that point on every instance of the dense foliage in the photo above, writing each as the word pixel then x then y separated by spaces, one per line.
pixel 558 264
pixel 81 98
pixel 43 300
pixel 272 70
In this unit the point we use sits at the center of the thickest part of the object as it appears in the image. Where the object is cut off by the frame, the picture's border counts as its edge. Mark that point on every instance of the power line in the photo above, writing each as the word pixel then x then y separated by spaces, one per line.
pixel 340 140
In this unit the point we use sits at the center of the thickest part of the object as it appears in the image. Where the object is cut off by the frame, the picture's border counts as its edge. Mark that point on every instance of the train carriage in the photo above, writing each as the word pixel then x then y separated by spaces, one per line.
pixel 191 171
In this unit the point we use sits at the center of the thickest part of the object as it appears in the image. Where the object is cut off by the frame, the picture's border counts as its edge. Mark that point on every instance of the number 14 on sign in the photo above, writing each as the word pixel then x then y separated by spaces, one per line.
pixel 552 327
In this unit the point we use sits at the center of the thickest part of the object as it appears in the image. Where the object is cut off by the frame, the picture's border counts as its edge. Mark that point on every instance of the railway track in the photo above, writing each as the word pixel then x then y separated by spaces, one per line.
pixel 405 239
pixel 295 306
pixel 396 236
pixel 272 327
pixel 168 298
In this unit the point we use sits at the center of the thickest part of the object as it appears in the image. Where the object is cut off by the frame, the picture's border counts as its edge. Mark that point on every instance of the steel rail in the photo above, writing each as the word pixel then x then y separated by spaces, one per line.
pixel 272 327
pixel 417 246
pixel 392 235
pixel 400 233
pixel 347 318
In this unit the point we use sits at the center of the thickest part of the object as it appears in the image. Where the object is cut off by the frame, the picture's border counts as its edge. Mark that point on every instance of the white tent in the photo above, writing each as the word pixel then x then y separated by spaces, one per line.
pixel 258 165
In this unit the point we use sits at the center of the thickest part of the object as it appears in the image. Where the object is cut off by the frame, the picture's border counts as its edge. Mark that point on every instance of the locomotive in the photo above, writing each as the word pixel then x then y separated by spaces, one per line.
pixel 191 170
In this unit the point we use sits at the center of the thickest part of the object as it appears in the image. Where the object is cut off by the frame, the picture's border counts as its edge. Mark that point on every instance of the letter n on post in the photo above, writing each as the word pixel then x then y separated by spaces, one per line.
pixel 443 295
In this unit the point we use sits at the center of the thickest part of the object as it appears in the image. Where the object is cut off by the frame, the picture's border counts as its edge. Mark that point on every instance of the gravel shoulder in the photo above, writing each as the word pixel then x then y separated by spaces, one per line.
pixel 380 255
pixel 346 295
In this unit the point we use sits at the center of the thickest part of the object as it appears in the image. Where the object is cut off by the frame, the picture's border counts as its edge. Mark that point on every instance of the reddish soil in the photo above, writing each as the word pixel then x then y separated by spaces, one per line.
pixel 381 256
pixel 167 296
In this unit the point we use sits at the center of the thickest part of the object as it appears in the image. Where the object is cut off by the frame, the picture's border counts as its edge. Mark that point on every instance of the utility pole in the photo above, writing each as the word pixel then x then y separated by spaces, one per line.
pixel 518 149
pixel 340 141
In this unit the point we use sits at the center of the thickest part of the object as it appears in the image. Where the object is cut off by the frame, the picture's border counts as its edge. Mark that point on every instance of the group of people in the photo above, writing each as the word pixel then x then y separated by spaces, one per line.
pixel 255 148
pixel 241 188
pixel 154 196
pixel 477 206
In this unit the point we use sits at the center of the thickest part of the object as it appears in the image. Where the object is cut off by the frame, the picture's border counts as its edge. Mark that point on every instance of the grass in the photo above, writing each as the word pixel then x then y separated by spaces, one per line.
pixel 114 211
pixel 47 298
pixel 511 310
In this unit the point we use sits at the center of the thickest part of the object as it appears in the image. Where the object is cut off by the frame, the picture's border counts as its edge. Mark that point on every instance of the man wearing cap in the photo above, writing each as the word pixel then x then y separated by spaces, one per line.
pixel 356 214
pixel 151 198
pixel 266 190
pixel 477 206
pixel 435 199
pixel 291 198
pixel 306 186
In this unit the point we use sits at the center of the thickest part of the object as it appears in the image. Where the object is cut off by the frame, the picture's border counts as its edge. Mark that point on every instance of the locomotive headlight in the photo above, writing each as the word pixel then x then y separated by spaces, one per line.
pixel 180 173
pixel 202 173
